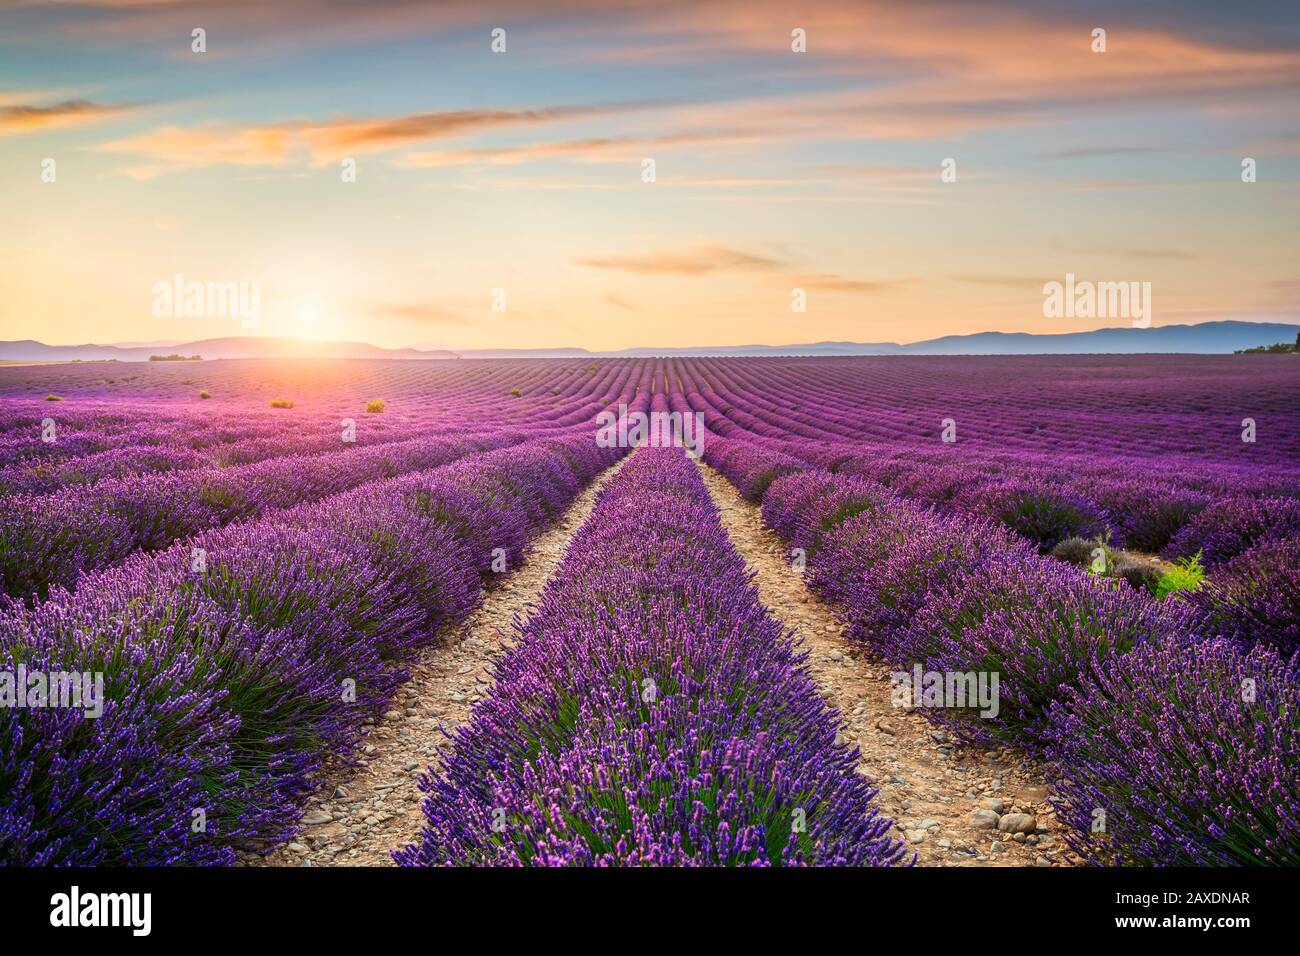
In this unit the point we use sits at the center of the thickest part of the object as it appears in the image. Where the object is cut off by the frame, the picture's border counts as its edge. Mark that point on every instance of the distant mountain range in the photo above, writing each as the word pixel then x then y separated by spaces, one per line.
pixel 234 347
pixel 1207 338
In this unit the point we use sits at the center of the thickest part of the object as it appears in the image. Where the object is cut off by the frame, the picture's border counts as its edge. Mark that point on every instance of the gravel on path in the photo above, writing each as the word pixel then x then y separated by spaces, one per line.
pixel 947 800
pixel 360 814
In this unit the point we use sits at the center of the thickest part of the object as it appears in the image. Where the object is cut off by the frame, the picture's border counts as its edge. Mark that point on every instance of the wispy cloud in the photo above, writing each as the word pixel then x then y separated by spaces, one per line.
pixel 176 148
pixel 708 258
pixel 696 260
pixel 1148 253
pixel 586 150
pixel 1088 152
pixel 619 301
pixel 340 138
pixel 581 150
pixel 944 69
pixel 24 118
pixel 829 282
pixel 1001 281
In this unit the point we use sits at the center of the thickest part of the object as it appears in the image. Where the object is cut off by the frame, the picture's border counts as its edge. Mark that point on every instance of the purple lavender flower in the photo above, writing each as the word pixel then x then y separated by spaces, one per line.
pixel 652 713
pixel 1233 526
pixel 1182 753
pixel 237 661
pixel 1255 597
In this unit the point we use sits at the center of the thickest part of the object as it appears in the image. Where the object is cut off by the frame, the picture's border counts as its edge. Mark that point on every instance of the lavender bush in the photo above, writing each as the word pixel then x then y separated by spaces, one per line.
pixel 1190 750
pixel 1234 526
pixel 1145 514
pixel 1043 513
pixel 1041 625
pixel 227 687
pixel 1145 719
pixel 652 713
pixel 1255 597
pixel 749 468
pixel 805 507
pixel 52 539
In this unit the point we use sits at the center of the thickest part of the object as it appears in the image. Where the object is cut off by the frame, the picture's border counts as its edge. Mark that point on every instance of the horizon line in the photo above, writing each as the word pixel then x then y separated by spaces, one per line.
pixel 433 349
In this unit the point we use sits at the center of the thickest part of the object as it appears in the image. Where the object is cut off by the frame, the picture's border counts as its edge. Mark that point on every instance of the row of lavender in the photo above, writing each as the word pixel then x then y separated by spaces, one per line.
pixel 1171 415
pixel 651 713
pixel 1179 510
pixel 1249 542
pixel 45 447
pixel 1183 742
pixel 48 540
pixel 51 540
pixel 1047 504
pixel 53 453
pixel 227 685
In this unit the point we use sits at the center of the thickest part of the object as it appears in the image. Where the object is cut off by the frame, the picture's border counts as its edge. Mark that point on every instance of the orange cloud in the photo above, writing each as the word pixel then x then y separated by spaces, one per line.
pixel 1002 281
pixel 588 150
pixel 697 260
pixel 940 70
pixel 715 257
pixel 21 118
pixel 943 58
pixel 174 148
pixel 829 282
pixel 582 150
pixel 334 140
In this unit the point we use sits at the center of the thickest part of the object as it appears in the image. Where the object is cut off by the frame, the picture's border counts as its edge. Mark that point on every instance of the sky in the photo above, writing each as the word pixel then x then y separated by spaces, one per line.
pixel 379 172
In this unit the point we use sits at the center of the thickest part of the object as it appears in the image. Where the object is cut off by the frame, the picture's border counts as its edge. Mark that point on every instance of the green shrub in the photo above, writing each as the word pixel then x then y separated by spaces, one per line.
pixel 1185 575
pixel 282 403
pixel 375 407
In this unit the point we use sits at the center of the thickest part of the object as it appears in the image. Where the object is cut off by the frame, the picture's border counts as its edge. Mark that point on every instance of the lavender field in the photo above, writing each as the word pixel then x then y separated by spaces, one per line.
pixel 691 611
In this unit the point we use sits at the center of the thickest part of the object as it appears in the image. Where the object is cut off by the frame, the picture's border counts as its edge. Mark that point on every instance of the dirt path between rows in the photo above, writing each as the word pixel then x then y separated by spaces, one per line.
pixel 946 800
pixel 358 817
